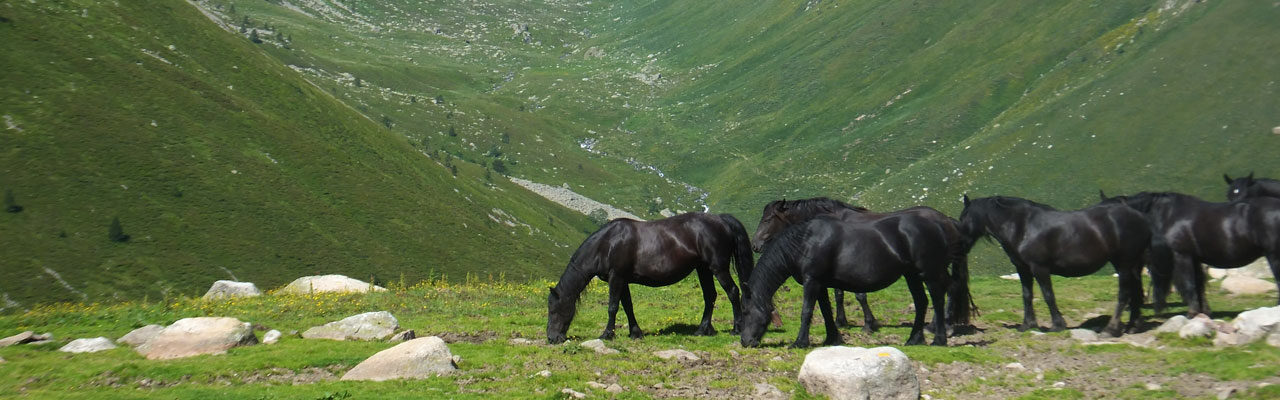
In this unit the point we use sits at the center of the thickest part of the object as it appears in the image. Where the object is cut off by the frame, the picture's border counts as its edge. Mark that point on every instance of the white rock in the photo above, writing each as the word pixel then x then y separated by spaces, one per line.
pixel 1153 386
pixel 1174 324
pixel 544 373
pixel 23 337
pixel 596 385
pixel 1247 285
pixel 767 391
pixel 1256 324
pixel 93 345
pixel 573 393
pixel 403 336
pixel 195 336
pixel 1200 326
pixel 231 289
pixel 377 325
pixel 141 335
pixel 678 354
pixel 415 359
pixel 598 346
pixel 1015 366
pixel 614 388
pixel 522 342
pixel 328 284
pixel 1059 384
pixel 858 373
pixel 1257 269
pixel 1084 335
pixel 1011 277
pixel 271 337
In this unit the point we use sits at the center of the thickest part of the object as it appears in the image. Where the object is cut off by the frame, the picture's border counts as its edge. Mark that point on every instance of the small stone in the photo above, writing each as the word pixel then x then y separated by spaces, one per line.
pixel 1084 335
pixel 544 373
pixel 598 346
pixel 1172 325
pixel 678 354
pixel 231 289
pixel 93 345
pixel 596 385
pixel 1225 393
pixel 1197 327
pixel 522 342
pixel 614 388
pixel 1011 277
pixel 1059 384
pixel 573 393
pixel 403 336
pixel 1275 131
pixel 767 391
pixel 776 358
pixel 23 337
pixel 658 386
pixel 1153 386
pixel 271 337
pixel 1015 366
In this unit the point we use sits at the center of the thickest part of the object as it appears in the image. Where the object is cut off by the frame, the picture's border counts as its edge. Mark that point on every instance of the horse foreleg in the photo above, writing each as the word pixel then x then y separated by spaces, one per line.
pixel 731 291
pixel 1046 291
pixel 1135 298
pixel 833 331
pixel 1201 281
pixel 938 293
pixel 806 313
pixel 1028 312
pixel 1274 261
pixel 841 320
pixel 922 306
pixel 708 301
pixel 615 292
pixel 869 323
pixel 1186 279
pixel 632 325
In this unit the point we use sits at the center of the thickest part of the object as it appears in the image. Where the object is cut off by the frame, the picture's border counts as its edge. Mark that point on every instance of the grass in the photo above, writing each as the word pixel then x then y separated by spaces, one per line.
pixel 478 318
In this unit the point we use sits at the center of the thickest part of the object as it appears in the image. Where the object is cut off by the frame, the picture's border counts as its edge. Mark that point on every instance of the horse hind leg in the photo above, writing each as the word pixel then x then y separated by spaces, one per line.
pixel 938 294
pixel 922 306
pixel 841 319
pixel 632 326
pixel 731 291
pixel 1274 262
pixel 709 302
pixel 616 287
pixel 1125 297
pixel 1028 311
pixel 869 323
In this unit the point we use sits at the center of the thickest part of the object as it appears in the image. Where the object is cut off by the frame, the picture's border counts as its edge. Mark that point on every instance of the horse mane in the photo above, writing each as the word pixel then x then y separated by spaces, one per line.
pixel 773 266
pixel 820 205
pixel 1011 202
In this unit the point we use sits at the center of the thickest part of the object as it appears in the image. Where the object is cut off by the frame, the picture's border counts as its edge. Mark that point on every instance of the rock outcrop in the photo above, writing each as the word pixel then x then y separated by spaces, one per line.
pixel 93 345
pixel 328 284
pixel 377 325
pixel 415 359
pixel 231 289
pixel 195 336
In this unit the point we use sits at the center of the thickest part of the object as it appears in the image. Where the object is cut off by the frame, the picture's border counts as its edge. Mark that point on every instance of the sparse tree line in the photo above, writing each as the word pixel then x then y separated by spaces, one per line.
pixel 115 232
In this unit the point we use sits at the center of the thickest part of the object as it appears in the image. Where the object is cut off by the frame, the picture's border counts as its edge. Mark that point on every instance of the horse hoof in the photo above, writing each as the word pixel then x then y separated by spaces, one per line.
pixel 833 342
pixel 800 345
pixel 607 335
pixel 1057 328
pixel 937 342
pixel 636 334
pixel 705 332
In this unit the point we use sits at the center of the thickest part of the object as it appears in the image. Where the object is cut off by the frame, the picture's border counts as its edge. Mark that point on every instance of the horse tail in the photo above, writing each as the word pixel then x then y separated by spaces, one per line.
pixel 961 306
pixel 1161 269
pixel 743 259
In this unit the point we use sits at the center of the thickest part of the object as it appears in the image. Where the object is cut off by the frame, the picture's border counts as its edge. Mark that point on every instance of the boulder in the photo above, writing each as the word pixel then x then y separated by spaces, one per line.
pixel 377 325
pixel 141 335
pixel 24 337
pixel 93 345
pixel 271 337
pixel 858 373
pixel 415 359
pixel 767 391
pixel 1174 324
pixel 677 354
pixel 1257 324
pixel 1247 285
pixel 328 284
pixel 598 346
pixel 1200 326
pixel 231 289
pixel 195 336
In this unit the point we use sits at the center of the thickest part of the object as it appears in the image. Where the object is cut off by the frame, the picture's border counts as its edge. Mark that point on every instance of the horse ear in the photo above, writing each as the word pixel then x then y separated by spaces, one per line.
pixel 1250 177
pixel 1101 195
pixel 782 206
pixel 965 197
pixel 1228 178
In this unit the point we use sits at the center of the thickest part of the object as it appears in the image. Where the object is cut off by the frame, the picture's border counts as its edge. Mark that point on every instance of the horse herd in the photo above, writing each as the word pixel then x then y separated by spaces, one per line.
pixel 824 243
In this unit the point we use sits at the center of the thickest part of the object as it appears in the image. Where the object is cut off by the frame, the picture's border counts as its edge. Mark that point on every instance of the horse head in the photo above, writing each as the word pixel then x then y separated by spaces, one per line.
pixel 560 311
pixel 1238 188
pixel 773 220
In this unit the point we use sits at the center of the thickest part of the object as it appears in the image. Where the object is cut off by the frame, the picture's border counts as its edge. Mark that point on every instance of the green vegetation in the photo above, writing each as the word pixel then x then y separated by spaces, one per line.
pixel 479 316
pixel 220 163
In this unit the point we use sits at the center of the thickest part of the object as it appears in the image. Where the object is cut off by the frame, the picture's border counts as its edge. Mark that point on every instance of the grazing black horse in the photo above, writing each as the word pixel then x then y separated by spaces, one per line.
pixel 1188 232
pixel 856 256
pixel 1041 241
pixel 780 214
pixel 1239 188
pixel 656 253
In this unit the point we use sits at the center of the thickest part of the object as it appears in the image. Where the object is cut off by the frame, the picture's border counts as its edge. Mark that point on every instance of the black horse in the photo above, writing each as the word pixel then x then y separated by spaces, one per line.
pixel 656 253
pixel 1239 188
pixel 1188 232
pixel 855 256
pixel 780 214
pixel 1040 241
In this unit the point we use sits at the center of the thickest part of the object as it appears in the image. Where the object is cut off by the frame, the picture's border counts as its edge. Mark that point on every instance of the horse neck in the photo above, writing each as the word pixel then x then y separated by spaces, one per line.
pixel 572 282
pixel 771 271
pixel 1004 223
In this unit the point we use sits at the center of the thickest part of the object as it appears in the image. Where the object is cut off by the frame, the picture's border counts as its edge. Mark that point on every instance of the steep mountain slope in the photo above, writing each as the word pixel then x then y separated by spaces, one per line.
pixel 220 162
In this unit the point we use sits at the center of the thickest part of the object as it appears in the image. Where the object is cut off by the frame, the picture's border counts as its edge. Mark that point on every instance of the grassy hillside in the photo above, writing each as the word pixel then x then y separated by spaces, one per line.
pixel 479 318
pixel 220 162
